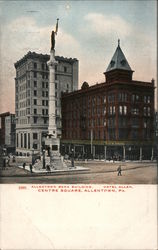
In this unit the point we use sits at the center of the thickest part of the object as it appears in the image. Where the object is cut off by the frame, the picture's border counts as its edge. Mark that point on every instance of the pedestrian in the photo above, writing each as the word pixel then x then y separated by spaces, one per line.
pixel 24 164
pixel 9 161
pixel 119 170
pixel 4 163
pixel 6 160
pixel 13 158
pixel 48 168
pixel 31 168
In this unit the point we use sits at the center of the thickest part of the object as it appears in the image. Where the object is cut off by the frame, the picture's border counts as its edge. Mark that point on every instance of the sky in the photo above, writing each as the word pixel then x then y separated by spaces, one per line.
pixel 88 31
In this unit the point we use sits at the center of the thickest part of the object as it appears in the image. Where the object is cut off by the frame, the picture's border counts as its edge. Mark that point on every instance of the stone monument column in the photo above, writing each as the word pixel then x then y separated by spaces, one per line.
pixel 52 128
pixel 52 139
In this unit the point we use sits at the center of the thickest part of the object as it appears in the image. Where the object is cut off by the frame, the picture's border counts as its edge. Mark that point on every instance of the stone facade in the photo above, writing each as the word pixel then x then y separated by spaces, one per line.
pixel 31 97
pixel 10 130
pixel 7 132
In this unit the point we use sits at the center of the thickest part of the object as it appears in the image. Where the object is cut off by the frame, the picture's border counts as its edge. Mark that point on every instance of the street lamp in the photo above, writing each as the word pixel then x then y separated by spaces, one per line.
pixel 32 156
pixel 72 158
pixel 44 162
pixel 92 142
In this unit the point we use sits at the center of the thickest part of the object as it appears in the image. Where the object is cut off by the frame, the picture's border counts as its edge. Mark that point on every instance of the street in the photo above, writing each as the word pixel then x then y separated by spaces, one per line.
pixel 98 173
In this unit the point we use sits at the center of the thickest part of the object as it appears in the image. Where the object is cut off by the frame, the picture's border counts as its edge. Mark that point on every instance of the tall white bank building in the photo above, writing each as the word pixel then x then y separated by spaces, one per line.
pixel 31 97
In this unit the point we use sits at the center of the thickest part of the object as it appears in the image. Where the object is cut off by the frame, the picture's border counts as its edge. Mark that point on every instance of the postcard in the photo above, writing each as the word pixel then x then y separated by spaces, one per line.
pixel 78 125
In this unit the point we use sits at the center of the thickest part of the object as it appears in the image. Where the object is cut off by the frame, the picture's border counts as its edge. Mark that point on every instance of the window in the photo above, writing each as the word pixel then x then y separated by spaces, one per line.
pixel 135 122
pixel 46 84
pixel 35 84
pixel 147 111
pixel 35 136
pixel 111 122
pixel 43 84
pixel 35 145
pixel 122 97
pixel 35 111
pixel 55 67
pixel 35 74
pixel 35 65
pixel 120 110
pixel 17 140
pixel 46 111
pixel 46 102
pixel 42 66
pixel 65 69
pixel 111 98
pixel 135 111
pixel 43 93
pixel 134 134
pixel 25 141
pixel 56 78
pixel 99 134
pixel 46 93
pixel 112 63
pixel 28 102
pixel 146 123
pixel 123 134
pixel 135 98
pixel 28 141
pixel 122 122
pixel 35 92
pixel 35 101
pixel 111 134
pixel 147 99
pixel 125 110
pixel 28 111
pixel 43 102
pixel 45 120
pixel 21 140
pixel 35 119
pixel 110 110
pixel 123 62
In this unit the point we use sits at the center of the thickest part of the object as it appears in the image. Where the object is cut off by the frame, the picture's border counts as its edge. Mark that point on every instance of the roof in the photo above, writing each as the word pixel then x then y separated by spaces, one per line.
pixel 5 114
pixel 43 57
pixel 98 86
pixel 118 60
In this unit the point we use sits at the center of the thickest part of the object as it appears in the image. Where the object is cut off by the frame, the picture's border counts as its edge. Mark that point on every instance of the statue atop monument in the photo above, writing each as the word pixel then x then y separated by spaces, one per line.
pixel 53 36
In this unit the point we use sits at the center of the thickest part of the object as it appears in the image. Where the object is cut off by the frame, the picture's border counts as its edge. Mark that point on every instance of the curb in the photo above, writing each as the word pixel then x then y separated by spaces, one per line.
pixel 71 172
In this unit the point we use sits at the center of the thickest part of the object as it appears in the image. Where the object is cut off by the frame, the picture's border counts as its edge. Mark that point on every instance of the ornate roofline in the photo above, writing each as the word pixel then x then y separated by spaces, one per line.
pixel 44 57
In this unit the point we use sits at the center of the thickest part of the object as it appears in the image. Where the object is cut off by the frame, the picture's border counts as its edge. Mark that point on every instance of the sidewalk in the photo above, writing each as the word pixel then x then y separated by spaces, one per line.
pixel 94 167
pixel 13 171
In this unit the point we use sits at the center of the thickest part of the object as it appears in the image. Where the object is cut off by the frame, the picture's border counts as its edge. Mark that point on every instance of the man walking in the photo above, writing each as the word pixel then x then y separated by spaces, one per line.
pixel 119 170
pixel 31 168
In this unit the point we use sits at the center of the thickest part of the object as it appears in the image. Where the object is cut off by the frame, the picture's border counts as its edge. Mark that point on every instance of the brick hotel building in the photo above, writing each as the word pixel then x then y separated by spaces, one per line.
pixel 111 119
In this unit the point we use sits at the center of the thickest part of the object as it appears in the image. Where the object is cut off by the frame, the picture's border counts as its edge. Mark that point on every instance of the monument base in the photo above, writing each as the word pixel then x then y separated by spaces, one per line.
pixel 56 160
